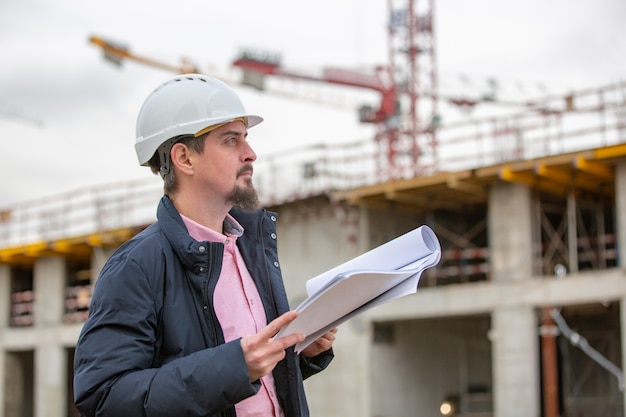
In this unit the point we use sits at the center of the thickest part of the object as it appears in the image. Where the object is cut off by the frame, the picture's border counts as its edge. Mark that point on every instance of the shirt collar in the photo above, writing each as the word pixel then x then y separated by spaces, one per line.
pixel 202 233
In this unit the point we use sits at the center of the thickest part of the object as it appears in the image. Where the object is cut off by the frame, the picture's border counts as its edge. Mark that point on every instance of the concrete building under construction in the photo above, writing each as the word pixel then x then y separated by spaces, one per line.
pixel 522 317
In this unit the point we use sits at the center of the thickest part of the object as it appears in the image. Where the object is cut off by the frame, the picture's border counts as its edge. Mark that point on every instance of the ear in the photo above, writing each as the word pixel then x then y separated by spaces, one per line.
pixel 180 155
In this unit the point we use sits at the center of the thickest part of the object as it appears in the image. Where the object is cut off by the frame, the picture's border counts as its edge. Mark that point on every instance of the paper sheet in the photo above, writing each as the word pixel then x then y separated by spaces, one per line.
pixel 387 272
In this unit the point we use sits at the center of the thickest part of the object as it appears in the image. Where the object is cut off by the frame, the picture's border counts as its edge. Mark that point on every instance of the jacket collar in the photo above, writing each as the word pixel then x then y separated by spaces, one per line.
pixel 191 252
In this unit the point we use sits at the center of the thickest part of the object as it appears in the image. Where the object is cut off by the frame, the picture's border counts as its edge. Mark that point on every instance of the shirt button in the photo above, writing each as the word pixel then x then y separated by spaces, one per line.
pixel 201 249
pixel 273 218
pixel 276 264
pixel 227 241
pixel 273 235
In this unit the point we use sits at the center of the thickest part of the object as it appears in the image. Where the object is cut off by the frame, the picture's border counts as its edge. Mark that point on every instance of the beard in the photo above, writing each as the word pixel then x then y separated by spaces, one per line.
pixel 244 198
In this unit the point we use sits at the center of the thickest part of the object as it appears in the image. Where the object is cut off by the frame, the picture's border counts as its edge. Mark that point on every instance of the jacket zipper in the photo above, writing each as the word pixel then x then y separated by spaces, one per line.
pixel 210 312
pixel 208 308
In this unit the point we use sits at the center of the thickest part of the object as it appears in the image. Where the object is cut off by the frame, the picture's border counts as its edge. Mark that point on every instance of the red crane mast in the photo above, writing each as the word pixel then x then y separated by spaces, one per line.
pixel 402 136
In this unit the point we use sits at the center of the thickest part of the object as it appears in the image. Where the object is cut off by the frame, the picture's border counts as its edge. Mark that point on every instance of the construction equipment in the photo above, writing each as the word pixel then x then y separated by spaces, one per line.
pixel 410 135
pixel 403 137
pixel 115 53
pixel 406 117
pixel 21 117
pixel 256 66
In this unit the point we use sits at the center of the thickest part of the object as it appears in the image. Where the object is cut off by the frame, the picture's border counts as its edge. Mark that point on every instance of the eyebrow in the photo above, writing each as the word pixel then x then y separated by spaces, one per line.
pixel 234 132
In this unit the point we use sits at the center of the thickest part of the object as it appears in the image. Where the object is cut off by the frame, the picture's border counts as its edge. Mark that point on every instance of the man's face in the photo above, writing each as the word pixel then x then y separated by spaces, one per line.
pixel 225 168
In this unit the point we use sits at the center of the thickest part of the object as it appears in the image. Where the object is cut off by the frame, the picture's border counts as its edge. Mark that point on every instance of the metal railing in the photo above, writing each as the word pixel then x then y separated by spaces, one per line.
pixel 555 125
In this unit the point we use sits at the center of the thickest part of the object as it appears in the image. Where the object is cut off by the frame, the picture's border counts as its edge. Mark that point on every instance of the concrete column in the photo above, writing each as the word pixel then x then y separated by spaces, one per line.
pixel 4 382
pixel 623 336
pixel 344 388
pixel 514 329
pixel 5 296
pixel 50 385
pixel 51 392
pixel 620 219
pixel 17 374
pixel 620 209
pixel 510 232
pixel 5 302
pixel 12 380
pixel 515 363
pixel 98 259
pixel 49 281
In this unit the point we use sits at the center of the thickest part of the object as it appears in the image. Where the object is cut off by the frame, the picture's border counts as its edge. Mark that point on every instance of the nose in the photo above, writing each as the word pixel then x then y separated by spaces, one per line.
pixel 249 155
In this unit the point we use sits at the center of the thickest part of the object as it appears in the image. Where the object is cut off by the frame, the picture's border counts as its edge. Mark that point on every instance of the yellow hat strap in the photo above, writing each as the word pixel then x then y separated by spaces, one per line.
pixel 213 127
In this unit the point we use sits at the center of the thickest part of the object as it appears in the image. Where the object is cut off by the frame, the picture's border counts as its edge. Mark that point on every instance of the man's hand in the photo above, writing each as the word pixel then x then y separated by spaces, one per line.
pixel 322 344
pixel 262 352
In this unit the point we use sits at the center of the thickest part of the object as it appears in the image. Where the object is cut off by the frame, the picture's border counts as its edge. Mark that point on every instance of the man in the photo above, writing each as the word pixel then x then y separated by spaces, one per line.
pixel 178 323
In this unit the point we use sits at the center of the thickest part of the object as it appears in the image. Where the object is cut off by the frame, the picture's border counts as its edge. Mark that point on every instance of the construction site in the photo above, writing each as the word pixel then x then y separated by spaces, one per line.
pixel 523 315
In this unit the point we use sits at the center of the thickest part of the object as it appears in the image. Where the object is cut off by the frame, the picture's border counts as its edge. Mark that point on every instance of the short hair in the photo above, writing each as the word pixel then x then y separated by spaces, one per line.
pixel 169 179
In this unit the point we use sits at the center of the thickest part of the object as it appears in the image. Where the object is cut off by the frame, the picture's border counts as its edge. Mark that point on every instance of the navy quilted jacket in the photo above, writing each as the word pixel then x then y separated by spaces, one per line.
pixel 152 345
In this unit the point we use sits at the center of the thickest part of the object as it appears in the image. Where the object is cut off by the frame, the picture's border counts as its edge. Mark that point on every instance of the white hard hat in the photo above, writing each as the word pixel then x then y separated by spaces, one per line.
pixel 186 105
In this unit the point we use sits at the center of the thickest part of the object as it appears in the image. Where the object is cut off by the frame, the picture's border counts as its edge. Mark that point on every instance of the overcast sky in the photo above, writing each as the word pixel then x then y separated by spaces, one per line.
pixel 87 107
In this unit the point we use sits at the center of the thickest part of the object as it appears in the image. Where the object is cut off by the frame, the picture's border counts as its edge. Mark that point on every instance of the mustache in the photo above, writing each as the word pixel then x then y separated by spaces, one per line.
pixel 247 168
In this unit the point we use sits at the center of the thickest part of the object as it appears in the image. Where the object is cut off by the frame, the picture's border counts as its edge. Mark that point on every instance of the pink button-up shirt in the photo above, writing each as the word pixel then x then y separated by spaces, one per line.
pixel 238 308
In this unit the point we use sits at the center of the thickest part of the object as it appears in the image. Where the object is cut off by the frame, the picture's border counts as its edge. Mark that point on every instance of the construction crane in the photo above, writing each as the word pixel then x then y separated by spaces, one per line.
pixel 403 135
pixel 21 117
pixel 257 65
pixel 397 117
pixel 116 53
pixel 407 115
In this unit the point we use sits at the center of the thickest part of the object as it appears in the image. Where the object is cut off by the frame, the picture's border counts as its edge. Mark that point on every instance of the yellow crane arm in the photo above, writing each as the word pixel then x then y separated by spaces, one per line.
pixel 116 53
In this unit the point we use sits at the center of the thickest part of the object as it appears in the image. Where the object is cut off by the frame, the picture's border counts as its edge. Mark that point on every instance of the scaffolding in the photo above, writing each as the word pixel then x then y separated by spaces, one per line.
pixel 555 127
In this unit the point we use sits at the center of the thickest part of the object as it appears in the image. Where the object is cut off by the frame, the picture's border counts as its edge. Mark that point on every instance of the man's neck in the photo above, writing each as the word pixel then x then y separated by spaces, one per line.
pixel 202 211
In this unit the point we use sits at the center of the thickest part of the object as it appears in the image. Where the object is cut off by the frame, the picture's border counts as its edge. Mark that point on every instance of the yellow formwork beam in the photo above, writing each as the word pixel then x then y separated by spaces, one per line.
pixel 615 151
pixel 594 168
pixel 506 173
pixel 74 246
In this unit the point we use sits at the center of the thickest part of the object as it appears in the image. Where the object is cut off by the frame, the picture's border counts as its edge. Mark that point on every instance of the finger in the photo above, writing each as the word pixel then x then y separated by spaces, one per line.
pixel 290 340
pixel 329 335
pixel 278 323
pixel 331 332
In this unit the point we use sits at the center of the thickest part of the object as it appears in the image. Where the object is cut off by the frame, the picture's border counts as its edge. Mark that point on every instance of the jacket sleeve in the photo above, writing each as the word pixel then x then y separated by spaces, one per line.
pixel 114 357
pixel 311 366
